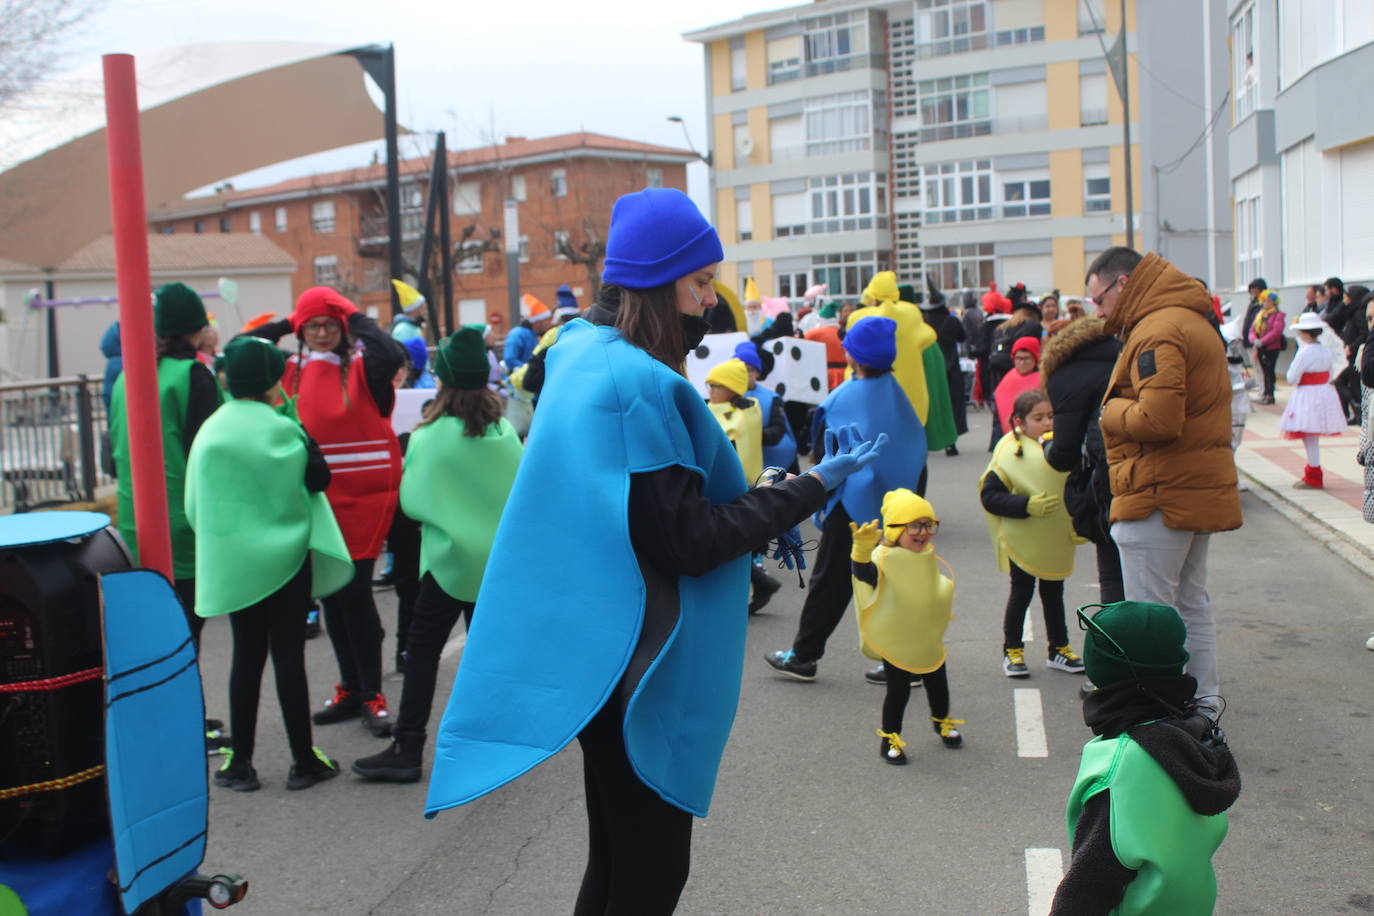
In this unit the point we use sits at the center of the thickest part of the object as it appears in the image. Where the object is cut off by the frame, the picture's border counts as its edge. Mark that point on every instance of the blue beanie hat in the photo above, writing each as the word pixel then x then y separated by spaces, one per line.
pixel 419 353
pixel 748 354
pixel 872 342
pixel 658 236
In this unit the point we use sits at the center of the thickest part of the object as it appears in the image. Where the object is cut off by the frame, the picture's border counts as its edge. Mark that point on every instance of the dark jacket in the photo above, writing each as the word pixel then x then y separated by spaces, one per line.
pixel 1076 367
pixel 1004 337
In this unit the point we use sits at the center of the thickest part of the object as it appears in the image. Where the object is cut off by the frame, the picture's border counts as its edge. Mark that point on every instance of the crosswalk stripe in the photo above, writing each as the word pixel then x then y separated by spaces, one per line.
pixel 1044 870
pixel 1030 723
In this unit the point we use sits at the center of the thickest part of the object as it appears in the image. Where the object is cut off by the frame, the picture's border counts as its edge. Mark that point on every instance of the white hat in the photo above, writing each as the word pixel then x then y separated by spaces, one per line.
pixel 1309 321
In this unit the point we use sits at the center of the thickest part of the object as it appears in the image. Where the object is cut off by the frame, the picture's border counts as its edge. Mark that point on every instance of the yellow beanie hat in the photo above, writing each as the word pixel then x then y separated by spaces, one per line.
pixel 901 507
pixel 732 374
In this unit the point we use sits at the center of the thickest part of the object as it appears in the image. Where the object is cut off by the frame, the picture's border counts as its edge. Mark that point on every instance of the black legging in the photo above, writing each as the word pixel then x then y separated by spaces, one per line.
pixel 274 625
pixel 1269 361
pixel 640 847
pixel 355 630
pixel 829 590
pixel 1110 585
pixel 1051 600
pixel 186 591
pixel 899 691
pixel 404 542
pixel 436 611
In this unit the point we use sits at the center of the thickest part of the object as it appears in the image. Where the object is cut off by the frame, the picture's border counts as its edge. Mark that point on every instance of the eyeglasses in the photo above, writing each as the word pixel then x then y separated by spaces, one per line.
pixel 320 327
pixel 1087 623
pixel 923 526
pixel 1097 300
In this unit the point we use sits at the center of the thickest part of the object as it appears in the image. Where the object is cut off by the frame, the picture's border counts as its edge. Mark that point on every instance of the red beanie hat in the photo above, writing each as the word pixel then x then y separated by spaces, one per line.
pixel 321 301
pixel 1030 345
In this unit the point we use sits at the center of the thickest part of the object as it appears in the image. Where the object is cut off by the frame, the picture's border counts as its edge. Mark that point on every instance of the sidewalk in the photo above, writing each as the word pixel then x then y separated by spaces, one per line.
pixel 1333 514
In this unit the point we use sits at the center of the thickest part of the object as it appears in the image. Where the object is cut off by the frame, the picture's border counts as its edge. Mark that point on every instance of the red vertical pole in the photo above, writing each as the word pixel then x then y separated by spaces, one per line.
pixel 144 421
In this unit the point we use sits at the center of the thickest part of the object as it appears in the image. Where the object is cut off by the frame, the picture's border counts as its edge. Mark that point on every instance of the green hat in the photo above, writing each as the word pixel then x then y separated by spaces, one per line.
pixel 830 310
pixel 462 359
pixel 177 310
pixel 1150 635
pixel 252 366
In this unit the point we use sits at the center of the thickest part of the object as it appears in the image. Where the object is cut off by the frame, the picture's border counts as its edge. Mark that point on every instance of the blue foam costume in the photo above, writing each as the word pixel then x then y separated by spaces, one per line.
pixel 782 453
pixel 876 405
pixel 547 651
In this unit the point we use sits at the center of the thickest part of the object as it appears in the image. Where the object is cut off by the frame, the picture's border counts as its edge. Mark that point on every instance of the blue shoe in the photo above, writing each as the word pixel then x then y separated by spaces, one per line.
pixel 788 665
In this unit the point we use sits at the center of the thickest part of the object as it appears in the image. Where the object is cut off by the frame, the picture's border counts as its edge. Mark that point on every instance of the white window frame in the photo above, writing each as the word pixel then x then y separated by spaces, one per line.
pixel 1249 226
pixel 467 198
pixel 832 44
pixel 558 182
pixel 739 69
pixel 280 219
pixel 470 258
pixel 1093 94
pixel 844 273
pixel 850 202
pixel 954 107
pixel 1301 206
pixel 517 187
pixel 1094 22
pixel 744 220
pixel 1097 197
pixel 326 270
pixel 840 123
pixel 1024 195
pixel 958 192
pixel 561 235
pixel 789 214
pixel 952 27
pixel 322 217
pixel 255 222
pixel 524 248
pixel 784 59
pixel 653 177
pixel 793 283
pixel 1244 77
pixel 970 266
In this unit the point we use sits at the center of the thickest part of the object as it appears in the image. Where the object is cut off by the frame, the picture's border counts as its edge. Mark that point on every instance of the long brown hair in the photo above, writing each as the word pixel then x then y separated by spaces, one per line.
pixel 649 319
pixel 478 408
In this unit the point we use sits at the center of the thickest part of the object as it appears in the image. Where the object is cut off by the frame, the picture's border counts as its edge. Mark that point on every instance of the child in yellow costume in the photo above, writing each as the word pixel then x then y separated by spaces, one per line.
pixel 882 297
pixel 904 606
pixel 1032 532
pixel 739 416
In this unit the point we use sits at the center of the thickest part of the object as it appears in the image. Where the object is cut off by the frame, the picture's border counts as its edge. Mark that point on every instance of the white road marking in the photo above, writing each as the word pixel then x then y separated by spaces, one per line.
pixel 1044 871
pixel 1030 723
pixel 454 646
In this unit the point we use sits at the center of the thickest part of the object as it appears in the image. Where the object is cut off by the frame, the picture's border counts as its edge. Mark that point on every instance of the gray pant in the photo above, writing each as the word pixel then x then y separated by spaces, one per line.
pixel 1166 566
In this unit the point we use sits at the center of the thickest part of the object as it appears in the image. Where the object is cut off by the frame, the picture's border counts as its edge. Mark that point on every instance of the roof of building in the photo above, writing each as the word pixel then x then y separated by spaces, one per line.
pixel 755 21
pixel 14 267
pixel 515 151
pixel 211 251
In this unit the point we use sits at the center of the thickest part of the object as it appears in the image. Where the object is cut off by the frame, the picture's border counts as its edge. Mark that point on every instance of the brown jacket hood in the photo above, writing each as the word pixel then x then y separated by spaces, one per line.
pixel 1153 285
pixel 1071 338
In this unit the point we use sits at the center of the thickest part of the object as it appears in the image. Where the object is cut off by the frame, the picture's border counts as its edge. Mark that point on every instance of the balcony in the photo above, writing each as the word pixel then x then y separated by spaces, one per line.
pixel 373 231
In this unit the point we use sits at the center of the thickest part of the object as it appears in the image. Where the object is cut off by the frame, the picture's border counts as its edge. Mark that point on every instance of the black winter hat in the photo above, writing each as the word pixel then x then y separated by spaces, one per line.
pixel 252 366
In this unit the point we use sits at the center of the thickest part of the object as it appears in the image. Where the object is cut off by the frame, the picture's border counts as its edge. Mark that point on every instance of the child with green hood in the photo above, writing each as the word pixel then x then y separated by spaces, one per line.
pixel 266 544
pixel 459 468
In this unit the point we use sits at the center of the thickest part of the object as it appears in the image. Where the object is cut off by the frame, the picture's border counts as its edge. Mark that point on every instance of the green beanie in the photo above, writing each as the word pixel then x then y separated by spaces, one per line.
pixel 252 366
pixel 907 293
pixel 1151 635
pixel 462 359
pixel 830 310
pixel 178 310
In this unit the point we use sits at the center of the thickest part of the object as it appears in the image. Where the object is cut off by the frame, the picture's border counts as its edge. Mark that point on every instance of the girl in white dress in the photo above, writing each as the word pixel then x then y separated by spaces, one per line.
pixel 1313 409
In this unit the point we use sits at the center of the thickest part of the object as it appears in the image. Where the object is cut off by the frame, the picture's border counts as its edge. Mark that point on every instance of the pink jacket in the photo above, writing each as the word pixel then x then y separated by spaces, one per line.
pixel 1272 338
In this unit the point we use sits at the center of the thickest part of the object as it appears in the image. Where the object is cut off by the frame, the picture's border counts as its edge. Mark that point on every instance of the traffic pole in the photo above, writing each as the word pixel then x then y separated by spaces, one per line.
pixel 137 341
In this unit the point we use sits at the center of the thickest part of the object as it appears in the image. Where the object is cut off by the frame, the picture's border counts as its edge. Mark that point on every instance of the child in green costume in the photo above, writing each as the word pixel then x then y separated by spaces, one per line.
pixel 459 468
pixel 1147 811
pixel 903 605
pixel 266 544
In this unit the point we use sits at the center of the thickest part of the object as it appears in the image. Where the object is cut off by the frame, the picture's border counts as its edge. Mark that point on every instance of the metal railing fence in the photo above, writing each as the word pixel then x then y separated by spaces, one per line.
pixel 53 435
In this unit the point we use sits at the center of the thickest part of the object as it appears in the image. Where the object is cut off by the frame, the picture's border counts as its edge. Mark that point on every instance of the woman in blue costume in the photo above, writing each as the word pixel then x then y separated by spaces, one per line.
pixel 631 640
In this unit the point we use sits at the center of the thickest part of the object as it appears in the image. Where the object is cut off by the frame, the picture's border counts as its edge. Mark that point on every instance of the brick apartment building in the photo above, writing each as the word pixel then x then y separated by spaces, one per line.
pixel 334 224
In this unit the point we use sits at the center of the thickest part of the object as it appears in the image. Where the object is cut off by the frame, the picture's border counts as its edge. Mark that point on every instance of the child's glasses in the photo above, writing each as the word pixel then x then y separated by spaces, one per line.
pixel 923 526
pixel 1087 623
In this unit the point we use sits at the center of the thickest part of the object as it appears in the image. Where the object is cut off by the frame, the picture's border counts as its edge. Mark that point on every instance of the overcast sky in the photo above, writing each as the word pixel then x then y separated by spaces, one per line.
pixel 475 68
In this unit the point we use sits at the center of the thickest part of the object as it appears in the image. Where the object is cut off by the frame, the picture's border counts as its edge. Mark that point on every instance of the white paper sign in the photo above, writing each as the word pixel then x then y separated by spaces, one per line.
pixel 799 370
pixel 714 350
pixel 410 403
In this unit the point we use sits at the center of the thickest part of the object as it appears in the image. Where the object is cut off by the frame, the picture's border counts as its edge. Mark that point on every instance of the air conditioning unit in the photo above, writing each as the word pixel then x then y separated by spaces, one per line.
pixel 745 146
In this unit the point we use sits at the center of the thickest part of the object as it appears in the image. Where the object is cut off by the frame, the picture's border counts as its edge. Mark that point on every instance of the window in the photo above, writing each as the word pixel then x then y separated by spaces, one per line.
pixel 950 27
pixel 281 219
pixel 739 70
pixel 1025 197
pixel 847 203
pixel 558 182
pixel 224 224
pixel 954 107
pixel 1097 189
pixel 562 244
pixel 1022 107
pixel 467 198
pixel 1314 31
pixel 198 226
pixel 169 229
pixel 470 258
pixel 1302 206
pixel 653 178
pixel 784 59
pixel 517 187
pixel 961 266
pixel 255 222
pixel 327 270
pixel 841 123
pixel 1092 17
pixel 957 192
pixel 322 216
pixel 1357 208
pixel 845 274
pixel 789 214
pixel 786 138
pixel 472 311
pixel 1244 76
pixel 1092 99
pixel 833 42
pixel 744 220
pixel 792 285
pixel 1248 221
pixel 524 248
pixel 1020 36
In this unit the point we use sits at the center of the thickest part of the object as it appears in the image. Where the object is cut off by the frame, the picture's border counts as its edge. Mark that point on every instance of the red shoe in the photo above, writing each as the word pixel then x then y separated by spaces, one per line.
pixel 376 717
pixel 1311 479
pixel 345 705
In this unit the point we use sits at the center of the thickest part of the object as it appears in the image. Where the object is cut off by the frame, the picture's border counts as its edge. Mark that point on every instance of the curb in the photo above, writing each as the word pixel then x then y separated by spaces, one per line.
pixel 1342 545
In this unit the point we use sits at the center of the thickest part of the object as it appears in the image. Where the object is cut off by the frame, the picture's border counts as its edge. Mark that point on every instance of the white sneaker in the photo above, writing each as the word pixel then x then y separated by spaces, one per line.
pixel 1369 643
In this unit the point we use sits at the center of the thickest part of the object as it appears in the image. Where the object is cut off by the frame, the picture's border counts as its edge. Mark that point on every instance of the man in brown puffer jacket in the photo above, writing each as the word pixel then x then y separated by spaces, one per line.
pixel 1166 423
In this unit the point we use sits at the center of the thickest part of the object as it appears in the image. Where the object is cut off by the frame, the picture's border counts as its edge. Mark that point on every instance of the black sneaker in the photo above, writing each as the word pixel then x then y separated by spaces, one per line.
pixel 376 717
pixel 891 748
pixel 947 732
pixel 312 623
pixel 787 664
pixel 877 676
pixel 238 775
pixel 1014 663
pixel 765 587
pixel 305 773
pixel 952 451
pixel 1063 658
pixel 345 705
pixel 400 661
pixel 401 762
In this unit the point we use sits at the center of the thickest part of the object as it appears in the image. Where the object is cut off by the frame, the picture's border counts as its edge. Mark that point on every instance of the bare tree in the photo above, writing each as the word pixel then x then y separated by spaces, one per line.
pixel 30 31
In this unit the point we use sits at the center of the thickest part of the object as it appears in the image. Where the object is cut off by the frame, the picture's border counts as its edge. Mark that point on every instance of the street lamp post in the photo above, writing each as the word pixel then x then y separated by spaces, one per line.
pixel 513 260
pixel 704 157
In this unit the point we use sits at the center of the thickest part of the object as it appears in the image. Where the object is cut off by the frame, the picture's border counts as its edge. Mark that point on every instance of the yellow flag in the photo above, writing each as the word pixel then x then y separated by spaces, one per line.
pixel 410 296
pixel 751 291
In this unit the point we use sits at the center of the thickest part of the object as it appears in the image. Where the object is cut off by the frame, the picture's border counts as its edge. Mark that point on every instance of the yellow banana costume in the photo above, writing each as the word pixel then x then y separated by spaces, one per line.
pixel 914 336
pixel 517 378
pixel 1041 545
pixel 744 425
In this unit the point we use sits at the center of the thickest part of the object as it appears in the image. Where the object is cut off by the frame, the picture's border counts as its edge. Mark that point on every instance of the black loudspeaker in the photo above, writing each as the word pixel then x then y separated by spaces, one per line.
pixel 51 703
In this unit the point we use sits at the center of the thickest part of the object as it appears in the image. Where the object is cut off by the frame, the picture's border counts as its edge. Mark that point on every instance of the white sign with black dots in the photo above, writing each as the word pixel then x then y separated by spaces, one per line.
pixel 798 370
pixel 713 350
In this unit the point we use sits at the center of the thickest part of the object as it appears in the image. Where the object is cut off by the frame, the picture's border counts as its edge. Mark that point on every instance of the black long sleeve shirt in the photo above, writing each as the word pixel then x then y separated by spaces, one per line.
pixel 382 358
pixel 998 500
pixel 775 424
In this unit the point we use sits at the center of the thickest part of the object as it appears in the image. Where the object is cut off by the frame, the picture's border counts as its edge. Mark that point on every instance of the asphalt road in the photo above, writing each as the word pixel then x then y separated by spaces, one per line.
pixel 808 819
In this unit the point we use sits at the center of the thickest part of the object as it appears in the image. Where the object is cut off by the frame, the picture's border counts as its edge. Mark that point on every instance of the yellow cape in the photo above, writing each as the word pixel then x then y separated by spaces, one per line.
pixel 914 336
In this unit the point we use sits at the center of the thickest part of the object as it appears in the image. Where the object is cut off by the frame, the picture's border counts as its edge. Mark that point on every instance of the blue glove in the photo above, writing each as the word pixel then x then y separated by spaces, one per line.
pixel 846 451
pixel 789 549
